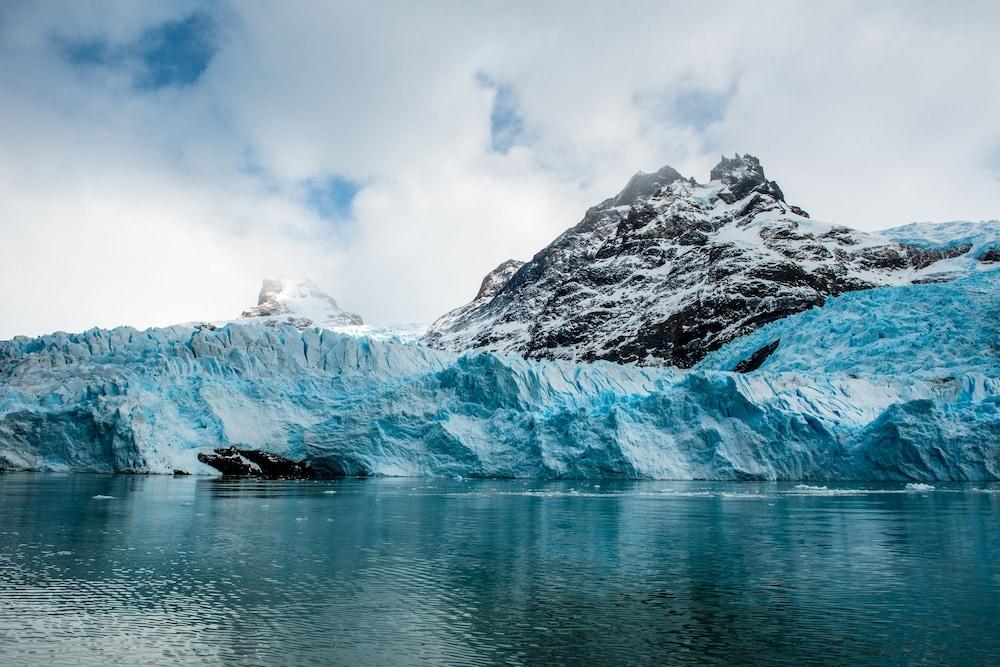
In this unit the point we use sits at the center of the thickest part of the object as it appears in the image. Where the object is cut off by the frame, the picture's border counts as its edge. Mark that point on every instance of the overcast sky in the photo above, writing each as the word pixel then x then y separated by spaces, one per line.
pixel 158 159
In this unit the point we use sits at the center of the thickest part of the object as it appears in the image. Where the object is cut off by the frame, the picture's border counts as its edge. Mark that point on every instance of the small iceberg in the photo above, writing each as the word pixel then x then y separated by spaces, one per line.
pixel 918 486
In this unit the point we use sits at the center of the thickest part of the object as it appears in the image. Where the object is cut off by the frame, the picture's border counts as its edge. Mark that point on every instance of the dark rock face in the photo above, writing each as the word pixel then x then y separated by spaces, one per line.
pixel 990 255
pixel 229 462
pixel 757 359
pixel 669 270
pixel 497 278
pixel 234 462
pixel 741 176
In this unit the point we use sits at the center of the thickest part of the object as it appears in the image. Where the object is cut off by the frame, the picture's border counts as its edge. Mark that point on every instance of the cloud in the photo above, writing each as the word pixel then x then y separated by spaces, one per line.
pixel 692 106
pixel 157 160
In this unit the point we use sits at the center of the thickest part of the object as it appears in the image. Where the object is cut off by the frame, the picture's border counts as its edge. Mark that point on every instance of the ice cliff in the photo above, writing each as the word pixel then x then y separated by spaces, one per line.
pixel 899 383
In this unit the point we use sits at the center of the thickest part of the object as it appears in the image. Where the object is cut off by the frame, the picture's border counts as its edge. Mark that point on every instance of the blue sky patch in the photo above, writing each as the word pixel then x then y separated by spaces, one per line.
pixel 175 53
pixel 691 106
pixel 332 198
pixel 86 52
pixel 506 122
pixel 700 107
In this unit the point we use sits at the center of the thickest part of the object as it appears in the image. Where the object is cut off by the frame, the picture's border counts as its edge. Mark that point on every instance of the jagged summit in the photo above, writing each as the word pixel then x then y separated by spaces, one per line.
pixel 643 185
pixel 741 175
pixel 492 284
pixel 300 303
pixel 497 278
pixel 670 269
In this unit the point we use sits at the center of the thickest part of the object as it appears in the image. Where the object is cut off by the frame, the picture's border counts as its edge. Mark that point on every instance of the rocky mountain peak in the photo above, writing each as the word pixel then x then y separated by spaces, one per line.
pixel 300 303
pixel 670 269
pixel 738 168
pixel 643 185
pixel 742 174
pixel 497 278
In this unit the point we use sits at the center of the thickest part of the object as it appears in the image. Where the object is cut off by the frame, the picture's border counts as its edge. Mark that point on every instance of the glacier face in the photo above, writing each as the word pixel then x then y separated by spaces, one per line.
pixel 864 388
pixel 927 332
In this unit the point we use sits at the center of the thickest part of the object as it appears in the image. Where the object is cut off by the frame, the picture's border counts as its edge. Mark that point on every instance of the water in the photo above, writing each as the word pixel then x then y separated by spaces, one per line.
pixel 103 570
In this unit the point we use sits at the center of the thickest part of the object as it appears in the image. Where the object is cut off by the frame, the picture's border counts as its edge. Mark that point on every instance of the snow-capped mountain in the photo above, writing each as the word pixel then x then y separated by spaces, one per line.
pixel 671 269
pixel 299 303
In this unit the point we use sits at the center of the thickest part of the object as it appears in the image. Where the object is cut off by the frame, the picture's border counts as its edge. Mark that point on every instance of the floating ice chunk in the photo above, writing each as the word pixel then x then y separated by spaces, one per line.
pixel 100 497
pixel 917 486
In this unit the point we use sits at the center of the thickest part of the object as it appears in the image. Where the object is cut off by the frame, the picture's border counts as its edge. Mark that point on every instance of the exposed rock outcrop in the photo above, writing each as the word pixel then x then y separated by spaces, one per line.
pixel 241 462
pixel 670 269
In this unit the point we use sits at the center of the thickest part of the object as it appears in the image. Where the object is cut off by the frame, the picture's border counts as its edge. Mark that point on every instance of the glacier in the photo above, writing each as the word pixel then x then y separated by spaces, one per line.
pixel 898 383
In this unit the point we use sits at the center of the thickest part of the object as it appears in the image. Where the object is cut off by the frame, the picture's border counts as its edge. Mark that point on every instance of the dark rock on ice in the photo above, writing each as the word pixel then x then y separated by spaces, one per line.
pixel 757 359
pixel 236 462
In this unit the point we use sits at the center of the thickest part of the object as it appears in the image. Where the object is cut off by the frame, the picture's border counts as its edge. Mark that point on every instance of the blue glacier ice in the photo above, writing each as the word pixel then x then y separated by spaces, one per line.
pixel 898 383
pixel 929 332
pixel 889 384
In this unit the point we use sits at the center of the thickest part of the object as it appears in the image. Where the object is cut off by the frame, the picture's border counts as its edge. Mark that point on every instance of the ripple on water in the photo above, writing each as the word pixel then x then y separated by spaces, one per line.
pixel 188 571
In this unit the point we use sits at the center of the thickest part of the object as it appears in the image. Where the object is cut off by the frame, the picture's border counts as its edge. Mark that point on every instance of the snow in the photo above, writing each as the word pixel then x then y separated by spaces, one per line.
pixel 298 302
pixel 947 234
pixel 979 235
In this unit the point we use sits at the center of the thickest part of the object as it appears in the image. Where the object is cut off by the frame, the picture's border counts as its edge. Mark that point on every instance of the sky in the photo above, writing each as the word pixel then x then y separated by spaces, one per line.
pixel 157 160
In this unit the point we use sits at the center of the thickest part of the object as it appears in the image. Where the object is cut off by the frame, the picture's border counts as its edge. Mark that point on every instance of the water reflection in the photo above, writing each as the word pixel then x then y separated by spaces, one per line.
pixel 185 570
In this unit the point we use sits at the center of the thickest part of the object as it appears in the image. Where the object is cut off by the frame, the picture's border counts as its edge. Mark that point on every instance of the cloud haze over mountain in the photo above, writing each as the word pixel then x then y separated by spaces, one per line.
pixel 157 161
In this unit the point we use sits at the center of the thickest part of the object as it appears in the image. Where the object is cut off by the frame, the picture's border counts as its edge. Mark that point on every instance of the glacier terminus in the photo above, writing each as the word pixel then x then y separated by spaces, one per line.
pixel 681 331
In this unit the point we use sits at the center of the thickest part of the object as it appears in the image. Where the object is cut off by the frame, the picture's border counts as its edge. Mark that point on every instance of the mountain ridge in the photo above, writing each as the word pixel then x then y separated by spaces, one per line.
pixel 669 269
pixel 300 303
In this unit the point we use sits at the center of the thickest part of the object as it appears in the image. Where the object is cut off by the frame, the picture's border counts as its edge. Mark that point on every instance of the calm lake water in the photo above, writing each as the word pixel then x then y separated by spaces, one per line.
pixel 99 570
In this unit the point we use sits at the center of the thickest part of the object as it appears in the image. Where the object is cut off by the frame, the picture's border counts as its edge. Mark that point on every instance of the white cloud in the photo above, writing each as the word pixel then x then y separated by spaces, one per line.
pixel 147 207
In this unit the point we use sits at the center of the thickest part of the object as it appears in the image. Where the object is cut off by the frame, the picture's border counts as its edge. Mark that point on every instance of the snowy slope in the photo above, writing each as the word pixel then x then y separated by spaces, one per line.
pixel 492 284
pixel 979 234
pixel 299 303
pixel 670 269
pixel 983 239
